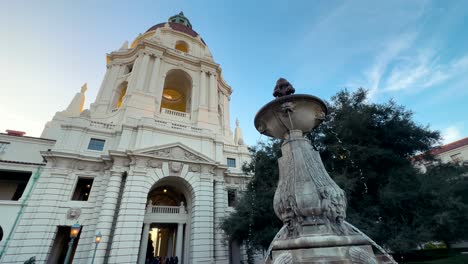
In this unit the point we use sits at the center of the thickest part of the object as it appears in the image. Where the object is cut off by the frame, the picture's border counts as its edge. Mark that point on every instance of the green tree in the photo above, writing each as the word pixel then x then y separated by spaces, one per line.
pixel 254 220
pixel 367 149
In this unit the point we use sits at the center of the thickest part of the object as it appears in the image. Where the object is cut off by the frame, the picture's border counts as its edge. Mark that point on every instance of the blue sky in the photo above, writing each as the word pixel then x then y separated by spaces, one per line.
pixel 415 52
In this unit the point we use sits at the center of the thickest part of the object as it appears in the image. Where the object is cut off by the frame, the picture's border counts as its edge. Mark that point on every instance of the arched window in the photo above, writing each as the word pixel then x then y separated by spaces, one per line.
pixel 182 46
pixel 177 91
pixel 121 91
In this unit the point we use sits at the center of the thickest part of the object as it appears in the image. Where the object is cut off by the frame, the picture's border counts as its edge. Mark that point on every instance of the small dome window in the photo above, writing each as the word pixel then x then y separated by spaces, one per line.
pixel 182 46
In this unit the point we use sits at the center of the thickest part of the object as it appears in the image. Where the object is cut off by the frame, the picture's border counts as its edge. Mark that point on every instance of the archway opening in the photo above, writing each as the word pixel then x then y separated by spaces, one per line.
pixel 177 91
pixel 182 46
pixel 166 230
pixel 166 195
pixel 119 95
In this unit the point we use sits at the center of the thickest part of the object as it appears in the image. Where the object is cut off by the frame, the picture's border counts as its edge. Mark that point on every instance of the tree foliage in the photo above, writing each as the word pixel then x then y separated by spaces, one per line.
pixel 254 220
pixel 367 149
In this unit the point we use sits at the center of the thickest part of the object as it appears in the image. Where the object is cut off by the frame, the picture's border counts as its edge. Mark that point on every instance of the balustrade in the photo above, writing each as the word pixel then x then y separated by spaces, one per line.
pixel 163 209
pixel 175 113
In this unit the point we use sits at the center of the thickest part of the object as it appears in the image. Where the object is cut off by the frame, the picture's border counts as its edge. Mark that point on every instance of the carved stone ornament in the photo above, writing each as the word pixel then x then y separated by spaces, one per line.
pixel 175 153
pixel 73 213
pixel 194 168
pixel 360 256
pixel 282 88
pixel 81 165
pixel 307 200
pixel 154 164
pixel 284 258
pixel 176 167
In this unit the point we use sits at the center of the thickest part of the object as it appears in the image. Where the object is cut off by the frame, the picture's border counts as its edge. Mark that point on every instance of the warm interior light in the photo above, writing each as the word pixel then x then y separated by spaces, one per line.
pixel 88 186
pixel 182 47
pixel 165 190
pixel 171 95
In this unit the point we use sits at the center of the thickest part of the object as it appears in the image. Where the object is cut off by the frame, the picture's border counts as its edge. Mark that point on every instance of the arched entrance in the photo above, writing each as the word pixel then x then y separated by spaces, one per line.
pixel 167 221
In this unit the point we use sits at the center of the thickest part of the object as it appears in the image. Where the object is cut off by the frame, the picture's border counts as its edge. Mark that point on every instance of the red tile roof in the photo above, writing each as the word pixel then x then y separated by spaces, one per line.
pixel 177 27
pixel 450 146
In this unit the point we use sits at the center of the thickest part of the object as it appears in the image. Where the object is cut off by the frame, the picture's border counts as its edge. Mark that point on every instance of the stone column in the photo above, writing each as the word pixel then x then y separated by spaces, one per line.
pixel 213 93
pixel 127 234
pixel 219 212
pixel 134 75
pixel 144 243
pixel 180 237
pixel 227 118
pixel 170 244
pixel 203 88
pixel 202 220
pixel 106 216
pixel 153 83
pixel 142 72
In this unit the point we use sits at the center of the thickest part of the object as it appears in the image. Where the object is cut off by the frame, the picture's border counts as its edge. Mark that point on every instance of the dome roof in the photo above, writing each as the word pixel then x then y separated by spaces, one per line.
pixel 178 23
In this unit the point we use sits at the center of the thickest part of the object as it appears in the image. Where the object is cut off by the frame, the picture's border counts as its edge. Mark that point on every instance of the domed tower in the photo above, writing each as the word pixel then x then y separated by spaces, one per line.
pixel 167 73
pixel 152 165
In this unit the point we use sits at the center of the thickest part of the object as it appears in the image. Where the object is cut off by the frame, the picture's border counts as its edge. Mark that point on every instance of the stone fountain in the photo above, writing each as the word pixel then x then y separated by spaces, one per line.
pixel 310 204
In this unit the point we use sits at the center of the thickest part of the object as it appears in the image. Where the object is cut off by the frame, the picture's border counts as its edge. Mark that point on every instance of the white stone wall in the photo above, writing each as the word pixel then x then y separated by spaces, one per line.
pixel 143 148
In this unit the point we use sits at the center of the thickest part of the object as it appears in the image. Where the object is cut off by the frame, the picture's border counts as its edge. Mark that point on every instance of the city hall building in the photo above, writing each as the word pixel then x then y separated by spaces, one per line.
pixel 152 165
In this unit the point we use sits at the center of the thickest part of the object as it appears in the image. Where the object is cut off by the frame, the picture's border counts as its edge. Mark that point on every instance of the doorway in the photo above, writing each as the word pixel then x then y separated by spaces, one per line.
pixel 60 245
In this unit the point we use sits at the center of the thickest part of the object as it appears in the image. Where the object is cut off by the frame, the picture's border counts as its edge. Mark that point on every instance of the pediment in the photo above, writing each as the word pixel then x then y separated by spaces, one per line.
pixel 174 151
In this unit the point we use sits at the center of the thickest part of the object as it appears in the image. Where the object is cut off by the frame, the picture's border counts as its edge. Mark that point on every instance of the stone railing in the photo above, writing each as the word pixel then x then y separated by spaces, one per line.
pixel 101 125
pixel 163 209
pixel 178 126
pixel 229 147
pixel 175 113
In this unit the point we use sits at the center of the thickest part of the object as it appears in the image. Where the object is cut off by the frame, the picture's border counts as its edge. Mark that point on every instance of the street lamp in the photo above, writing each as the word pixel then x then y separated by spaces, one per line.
pixel 97 239
pixel 75 229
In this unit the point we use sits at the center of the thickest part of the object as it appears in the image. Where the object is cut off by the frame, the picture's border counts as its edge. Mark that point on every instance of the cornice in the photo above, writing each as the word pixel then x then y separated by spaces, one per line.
pixel 58 159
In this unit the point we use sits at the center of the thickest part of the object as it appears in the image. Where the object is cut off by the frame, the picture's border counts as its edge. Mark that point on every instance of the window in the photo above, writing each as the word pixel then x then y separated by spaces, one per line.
pixel 96 144
pixel 3 146
pixel 13 184
pixel 82 189
pixel 231 162
pixel 182 46
pixel 456 157
pixel 232 197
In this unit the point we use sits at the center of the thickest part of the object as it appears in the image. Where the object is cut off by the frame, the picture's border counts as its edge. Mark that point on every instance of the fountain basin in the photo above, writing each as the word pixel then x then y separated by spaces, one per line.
pixel 291 112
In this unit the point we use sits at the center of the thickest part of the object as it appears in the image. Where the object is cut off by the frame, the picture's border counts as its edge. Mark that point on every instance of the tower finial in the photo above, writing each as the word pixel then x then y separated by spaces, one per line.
pixel 238 138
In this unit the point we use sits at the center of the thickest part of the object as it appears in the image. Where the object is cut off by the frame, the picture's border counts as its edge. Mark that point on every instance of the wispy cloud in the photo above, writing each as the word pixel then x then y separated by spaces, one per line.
pixel 423 71
pixel 390 52
pixel 398 67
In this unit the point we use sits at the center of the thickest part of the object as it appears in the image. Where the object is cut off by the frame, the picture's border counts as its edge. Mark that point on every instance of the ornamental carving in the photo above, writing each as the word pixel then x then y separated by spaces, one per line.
pixel 282 88
pixel 176 152
pixel 154 164
pixel 360 256
pixel 194 168
pixel 176 167
pixel 308 196
pixel 73 213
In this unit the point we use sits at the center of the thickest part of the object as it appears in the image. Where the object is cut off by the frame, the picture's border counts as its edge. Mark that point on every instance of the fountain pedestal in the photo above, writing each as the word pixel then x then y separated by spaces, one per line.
pixel 307 200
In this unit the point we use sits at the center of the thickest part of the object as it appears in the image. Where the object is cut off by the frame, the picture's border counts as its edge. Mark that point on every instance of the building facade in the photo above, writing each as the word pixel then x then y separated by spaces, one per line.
pixel 153 164
pixel 456 152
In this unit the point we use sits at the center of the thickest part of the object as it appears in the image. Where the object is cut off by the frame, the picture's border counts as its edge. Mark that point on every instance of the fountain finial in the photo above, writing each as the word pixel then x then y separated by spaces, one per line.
pixel 282 88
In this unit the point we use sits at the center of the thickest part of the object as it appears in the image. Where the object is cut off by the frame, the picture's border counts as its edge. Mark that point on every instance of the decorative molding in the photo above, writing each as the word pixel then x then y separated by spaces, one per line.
pixel 73 213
